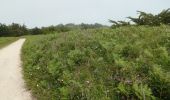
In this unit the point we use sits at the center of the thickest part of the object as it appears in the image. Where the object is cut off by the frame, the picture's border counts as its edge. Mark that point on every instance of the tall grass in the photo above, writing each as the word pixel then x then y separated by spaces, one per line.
pixel 102 64
pixel 4 41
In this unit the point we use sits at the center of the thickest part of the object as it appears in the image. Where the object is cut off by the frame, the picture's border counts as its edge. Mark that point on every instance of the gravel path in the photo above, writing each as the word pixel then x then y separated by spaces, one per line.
pixel 11 81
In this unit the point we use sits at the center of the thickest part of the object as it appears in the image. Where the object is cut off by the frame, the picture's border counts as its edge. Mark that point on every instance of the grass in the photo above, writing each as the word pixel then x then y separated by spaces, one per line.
pixel 101 64
pixel 4 41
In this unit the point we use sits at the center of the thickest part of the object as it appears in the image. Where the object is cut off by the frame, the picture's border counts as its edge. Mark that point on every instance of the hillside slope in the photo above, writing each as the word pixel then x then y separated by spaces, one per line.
pixel 103 64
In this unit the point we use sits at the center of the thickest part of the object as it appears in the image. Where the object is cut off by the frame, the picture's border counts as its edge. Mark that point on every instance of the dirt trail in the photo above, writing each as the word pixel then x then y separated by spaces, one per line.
pixel 11 81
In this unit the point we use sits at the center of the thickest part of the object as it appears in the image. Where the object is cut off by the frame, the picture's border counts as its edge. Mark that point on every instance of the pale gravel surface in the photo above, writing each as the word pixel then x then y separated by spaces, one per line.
pixel 12 85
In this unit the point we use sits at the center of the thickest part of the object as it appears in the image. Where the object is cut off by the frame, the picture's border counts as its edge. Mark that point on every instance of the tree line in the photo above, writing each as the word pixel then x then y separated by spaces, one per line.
pixel 13 30
pixel 18 30
pixel 143 19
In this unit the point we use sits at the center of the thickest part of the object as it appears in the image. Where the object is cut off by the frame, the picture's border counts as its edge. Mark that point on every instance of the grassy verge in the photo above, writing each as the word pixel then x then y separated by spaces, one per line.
pixel 104 64
pixel 4 41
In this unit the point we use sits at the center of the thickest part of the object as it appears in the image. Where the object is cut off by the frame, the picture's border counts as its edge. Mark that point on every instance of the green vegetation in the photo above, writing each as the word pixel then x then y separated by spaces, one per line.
pixel 143 19
pixel 19 30
pixel 126 63
pixel 152 20
pixel 6 40
pixel 146 19
pixel 70 27
pixel 13 30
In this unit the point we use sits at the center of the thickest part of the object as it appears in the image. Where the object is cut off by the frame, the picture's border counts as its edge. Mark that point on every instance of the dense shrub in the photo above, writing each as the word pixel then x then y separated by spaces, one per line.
pixel 145 19
pixel 13 30
pixel 70 27
pixel 101 64
pixel 152 20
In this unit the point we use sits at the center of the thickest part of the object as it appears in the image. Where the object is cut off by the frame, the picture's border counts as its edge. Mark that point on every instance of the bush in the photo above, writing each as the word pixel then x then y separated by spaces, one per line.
pixel 13 30
pixel 101 64
pixel 145 19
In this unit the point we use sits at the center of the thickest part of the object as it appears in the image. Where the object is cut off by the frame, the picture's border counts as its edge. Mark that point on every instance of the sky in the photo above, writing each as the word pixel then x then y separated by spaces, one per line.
pixel 40 13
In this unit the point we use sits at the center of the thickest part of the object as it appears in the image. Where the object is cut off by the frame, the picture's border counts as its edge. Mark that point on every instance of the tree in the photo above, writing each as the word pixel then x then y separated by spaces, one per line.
pixel 146 19
pixel 152 20
pixel 119 23
pixel 36 31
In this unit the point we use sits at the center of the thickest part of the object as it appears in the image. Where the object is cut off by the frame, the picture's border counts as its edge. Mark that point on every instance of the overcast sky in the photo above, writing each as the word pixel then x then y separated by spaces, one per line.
pixel 51 12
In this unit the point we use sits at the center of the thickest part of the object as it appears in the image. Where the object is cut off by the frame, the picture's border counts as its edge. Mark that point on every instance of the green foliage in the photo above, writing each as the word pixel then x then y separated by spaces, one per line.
pixel 20 30
pixel 143 92
pixel 160 82
pixel 36 31
pixel 6 40
pixel 152 20
pixel 13 30
pixel 146 19
pixel 119 23
pixel 69 27
pixel 126 63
